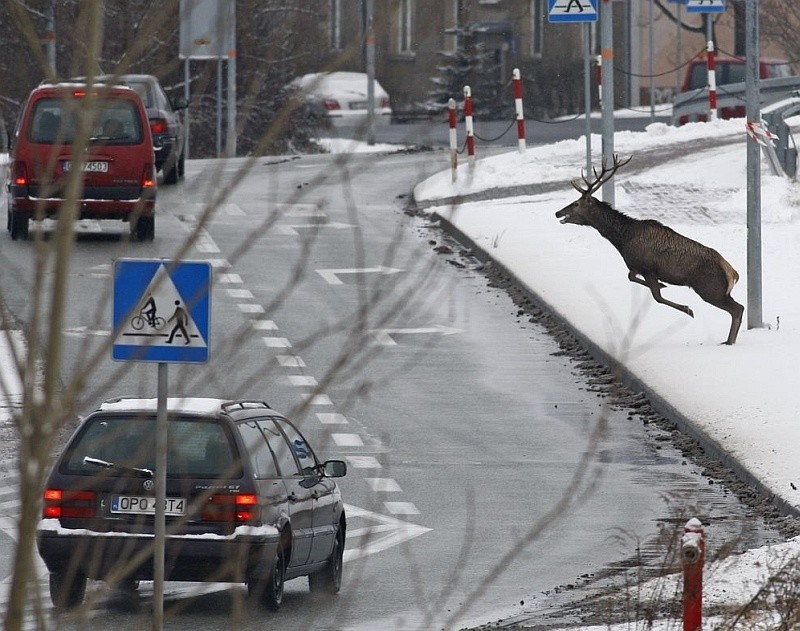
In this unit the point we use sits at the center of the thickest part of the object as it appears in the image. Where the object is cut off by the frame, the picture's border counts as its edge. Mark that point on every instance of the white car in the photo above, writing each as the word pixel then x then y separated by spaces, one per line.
pixel 341 98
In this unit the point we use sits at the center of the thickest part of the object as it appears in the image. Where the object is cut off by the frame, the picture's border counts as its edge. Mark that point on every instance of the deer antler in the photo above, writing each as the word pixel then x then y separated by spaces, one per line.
pixel 605 174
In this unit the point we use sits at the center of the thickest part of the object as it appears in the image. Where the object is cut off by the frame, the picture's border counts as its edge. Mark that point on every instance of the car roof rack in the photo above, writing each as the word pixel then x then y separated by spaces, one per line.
pixel 244 404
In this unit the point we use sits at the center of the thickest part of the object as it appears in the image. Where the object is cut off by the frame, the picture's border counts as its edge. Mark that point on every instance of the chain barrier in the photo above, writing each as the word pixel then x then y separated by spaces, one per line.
pixel 498 137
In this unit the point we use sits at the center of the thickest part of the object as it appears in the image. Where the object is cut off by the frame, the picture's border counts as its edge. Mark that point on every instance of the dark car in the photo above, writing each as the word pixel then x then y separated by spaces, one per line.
pixel 247 501
pixel 166 122
pixel 118 170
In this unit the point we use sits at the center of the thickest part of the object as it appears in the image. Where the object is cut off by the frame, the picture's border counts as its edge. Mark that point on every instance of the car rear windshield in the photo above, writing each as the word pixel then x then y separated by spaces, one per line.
pixel 197 448
pixel 55 120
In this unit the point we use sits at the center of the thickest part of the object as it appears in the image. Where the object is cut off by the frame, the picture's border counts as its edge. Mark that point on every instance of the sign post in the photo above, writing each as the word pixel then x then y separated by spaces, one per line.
pixel 570 12
pixel 161 313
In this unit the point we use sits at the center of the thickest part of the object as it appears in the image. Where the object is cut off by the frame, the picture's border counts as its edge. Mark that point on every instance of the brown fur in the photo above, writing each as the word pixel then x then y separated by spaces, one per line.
pixel 655 254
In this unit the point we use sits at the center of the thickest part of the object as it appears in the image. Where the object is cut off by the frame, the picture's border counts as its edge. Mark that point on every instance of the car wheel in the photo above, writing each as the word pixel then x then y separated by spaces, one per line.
pixel 19 226
pixel 144 228
pixel 67 589
pixel 270 589
pixel 329 579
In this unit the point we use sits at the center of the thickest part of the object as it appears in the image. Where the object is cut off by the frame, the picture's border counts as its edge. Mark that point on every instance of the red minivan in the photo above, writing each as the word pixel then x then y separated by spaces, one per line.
pixel 118 167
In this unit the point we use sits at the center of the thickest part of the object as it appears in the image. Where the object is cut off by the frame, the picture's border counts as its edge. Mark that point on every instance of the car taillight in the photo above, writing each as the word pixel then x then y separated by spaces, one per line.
pixel 158 125
pixel 736 111
pixel 332 104
pixel 148 176
pixel 59 503
pixel 236 507
pixel 19 173
pixel 385 101
pixel 683 119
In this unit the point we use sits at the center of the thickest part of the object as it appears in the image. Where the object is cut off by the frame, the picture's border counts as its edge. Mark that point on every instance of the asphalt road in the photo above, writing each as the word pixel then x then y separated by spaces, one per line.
pixel 487 466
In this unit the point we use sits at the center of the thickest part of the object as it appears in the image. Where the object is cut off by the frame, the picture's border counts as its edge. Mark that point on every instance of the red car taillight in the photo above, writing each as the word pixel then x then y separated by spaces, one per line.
pixel 241 508
pixel 148 176
pixel 59 503
pixel 19 173
pixel 332 104
pixel 158 126
pixel 385 101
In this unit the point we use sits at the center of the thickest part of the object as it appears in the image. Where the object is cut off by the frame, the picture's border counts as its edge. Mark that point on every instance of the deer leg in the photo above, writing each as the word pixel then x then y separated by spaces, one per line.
pixel 655 289
pixel 736 310
pixel 634 278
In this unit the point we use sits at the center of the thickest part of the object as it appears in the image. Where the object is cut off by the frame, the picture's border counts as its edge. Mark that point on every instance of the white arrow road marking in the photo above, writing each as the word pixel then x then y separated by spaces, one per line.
pixel 292 230
pixel 388 532
pixel 332 275
pixel 384 336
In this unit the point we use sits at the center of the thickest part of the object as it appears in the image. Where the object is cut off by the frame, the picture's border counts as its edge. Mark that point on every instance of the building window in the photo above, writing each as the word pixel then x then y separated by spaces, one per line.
pixel 538 12
pixel 404 27
pixel 335 24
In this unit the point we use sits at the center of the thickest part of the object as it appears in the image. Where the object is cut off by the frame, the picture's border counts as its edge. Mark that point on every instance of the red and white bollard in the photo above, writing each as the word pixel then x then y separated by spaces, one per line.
pixel 712 83
pixel 468 121
pixel 693 553
pixel 451 106
pixel 518 107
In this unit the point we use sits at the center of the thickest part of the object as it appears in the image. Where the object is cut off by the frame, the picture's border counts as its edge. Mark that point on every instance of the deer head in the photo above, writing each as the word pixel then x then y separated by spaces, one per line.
pixel 576 211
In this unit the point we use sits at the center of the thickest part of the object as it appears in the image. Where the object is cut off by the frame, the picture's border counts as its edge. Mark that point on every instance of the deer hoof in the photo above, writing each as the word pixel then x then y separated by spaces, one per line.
pixel 689 312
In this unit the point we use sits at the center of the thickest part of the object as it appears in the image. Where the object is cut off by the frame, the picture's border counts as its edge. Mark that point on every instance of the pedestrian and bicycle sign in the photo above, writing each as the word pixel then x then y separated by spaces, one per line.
pixel 705 6
pixel 572 11
pixel 161 310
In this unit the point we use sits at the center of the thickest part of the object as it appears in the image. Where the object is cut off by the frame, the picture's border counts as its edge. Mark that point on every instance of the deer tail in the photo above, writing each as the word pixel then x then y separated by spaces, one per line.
pixel 731 274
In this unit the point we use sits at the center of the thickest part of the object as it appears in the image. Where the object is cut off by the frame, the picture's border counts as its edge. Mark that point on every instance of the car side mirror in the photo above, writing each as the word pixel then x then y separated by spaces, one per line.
pixel 334 468
pixel 180 103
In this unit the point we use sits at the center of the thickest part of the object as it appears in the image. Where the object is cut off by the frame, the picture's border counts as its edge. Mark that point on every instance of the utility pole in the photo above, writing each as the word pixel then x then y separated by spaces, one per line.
pixel 370 59
pixel 607 80
pixel 50 36
pixel 753 109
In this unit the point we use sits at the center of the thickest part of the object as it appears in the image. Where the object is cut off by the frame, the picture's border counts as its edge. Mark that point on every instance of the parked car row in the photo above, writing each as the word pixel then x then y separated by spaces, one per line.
pixel 131 131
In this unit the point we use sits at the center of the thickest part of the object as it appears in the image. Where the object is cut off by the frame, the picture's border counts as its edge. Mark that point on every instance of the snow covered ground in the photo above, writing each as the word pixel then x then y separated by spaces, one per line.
pixel 743 399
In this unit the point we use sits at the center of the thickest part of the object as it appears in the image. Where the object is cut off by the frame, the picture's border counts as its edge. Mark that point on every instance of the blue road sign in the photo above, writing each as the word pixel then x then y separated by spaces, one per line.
pixel 572 11
pixel 705 6
pixel 162 310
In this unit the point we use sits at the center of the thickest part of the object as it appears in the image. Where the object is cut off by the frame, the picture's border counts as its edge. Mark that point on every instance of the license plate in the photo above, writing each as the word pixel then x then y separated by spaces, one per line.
pixel 93 166
pixel 358 105
pixel 138 505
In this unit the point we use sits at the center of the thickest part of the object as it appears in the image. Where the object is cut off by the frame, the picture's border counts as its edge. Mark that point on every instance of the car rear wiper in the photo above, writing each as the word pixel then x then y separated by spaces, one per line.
pixel 110 465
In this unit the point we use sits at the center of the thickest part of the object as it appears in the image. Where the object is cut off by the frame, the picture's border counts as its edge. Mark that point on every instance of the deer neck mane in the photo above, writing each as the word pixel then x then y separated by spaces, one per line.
pixel 611 223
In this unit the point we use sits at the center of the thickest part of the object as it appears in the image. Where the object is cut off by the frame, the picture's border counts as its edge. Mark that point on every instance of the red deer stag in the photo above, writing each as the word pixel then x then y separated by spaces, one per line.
pixel 654 253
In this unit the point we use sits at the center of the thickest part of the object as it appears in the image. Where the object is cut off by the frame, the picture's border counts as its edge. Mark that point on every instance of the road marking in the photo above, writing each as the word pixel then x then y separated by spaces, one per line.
pixel 292 230
pixel 234 210
pixel 320 399
pixel 401 508
pixel 249 308
pixel 242 294
pixel 302 381
pixel 384 336
pixel 347 440
pixel 364 462
pixel 276 342
pixel 388 532
pixel 233 279
pixel 331 418
pixel 264 325
pixel 290 361
pixel 331 276
pixel 384 485
pixel 83 331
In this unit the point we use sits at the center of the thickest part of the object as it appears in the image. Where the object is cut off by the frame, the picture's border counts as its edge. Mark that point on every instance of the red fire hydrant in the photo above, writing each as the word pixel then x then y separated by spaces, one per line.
pixel 693 552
